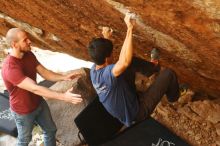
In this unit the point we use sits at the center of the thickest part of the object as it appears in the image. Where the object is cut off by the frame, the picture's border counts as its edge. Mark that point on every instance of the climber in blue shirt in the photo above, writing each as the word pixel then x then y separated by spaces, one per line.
pixel 114 83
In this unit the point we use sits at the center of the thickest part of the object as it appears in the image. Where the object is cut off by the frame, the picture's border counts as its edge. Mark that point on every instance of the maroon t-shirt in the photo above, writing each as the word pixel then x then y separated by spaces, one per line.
pixel 15 70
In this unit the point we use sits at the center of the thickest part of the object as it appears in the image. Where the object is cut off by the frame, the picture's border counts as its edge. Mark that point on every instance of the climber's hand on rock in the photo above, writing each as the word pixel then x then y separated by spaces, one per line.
pixel 107 32
pixel 129 21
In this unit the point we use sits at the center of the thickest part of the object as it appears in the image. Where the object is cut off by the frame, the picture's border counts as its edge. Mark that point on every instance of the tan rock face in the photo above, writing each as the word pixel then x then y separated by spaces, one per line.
pixel 64 113
pixel 187 32
pixel 197 122
pixel 207 110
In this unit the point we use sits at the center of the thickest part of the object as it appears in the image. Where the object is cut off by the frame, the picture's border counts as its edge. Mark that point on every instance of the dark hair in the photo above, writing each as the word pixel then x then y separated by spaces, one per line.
pixel 99 49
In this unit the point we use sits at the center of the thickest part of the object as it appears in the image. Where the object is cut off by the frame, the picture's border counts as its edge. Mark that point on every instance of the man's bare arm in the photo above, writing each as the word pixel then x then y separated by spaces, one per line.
pixel 52 76
pixel 30 85
pixel 126 53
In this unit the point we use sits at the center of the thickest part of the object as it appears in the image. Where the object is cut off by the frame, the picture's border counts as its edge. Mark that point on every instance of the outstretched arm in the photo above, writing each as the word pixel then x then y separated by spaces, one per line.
pixel 30 85
pixel 52 76
pixel 126 54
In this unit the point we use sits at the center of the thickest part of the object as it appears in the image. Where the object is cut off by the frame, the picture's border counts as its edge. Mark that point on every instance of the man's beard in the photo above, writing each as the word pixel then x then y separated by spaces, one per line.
pixel 27 49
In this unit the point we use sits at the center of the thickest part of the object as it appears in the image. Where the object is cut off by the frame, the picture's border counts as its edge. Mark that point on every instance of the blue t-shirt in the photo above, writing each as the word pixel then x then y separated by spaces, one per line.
pixel 117 97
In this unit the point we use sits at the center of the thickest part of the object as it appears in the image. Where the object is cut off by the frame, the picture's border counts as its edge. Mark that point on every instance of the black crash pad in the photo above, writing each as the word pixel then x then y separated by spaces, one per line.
pixel 7 124
pixel 96 125
pixel 147 133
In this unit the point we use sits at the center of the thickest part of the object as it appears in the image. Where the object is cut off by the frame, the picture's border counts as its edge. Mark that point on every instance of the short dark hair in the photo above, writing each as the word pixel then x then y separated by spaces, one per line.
pixel 99 49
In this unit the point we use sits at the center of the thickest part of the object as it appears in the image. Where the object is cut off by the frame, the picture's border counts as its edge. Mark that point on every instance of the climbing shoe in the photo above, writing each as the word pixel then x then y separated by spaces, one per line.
pixel 155 56
pixel 183 88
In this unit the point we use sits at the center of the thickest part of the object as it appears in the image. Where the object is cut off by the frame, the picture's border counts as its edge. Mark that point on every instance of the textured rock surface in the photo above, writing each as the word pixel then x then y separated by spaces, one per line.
pixel 187 32
pixel 194 118
pixel 188 121
pixel 64 113
pixel 207 110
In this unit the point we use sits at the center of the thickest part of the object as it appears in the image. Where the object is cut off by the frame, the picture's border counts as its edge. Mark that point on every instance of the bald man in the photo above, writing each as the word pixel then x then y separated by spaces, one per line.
pixel 19 72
